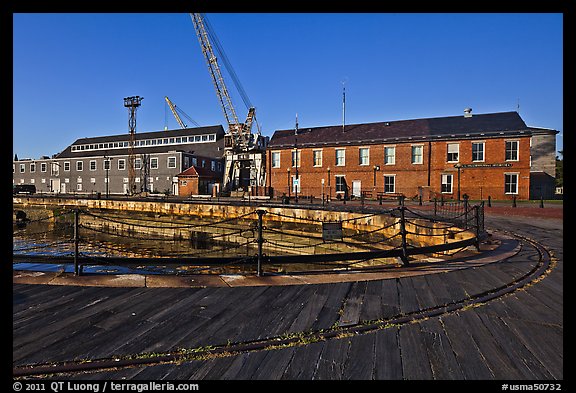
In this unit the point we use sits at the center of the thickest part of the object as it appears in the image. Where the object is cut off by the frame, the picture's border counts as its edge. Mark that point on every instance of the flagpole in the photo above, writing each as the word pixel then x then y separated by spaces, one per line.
pixel 296 159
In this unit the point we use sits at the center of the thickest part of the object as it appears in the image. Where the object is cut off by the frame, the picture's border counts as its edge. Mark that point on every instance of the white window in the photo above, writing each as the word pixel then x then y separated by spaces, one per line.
pixel 137 163
pixel 43 167
pixel 121 164
pixel 67 166
pixel 23 168
pixel 171 162
pixel 364 156
pixel 154 162
pixel 296 158
pixel 446 187
pixel 92 165
pixel 213 166
pixel 79 166
pixel 417 153
pixel 275 159
pixel 79 187
pixel 340 157
pixel 389 155
pixel 477 151
pixel 390 183
pixel 32 167
pixel 453 150
pixel 317 158
pixel 511 183
pixel 107 164
pixel 512 150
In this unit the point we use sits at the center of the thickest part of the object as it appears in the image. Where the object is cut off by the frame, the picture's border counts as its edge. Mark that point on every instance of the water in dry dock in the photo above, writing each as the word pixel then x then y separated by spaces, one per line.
pixel 237 239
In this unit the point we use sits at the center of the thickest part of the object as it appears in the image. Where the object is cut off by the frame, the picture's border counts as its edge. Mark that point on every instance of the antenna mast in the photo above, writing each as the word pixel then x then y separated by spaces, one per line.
pixel 343 107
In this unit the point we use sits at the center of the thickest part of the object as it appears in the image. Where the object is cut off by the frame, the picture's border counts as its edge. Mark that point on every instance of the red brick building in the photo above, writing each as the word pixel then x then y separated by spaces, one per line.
pixel 478 155
pixel 201 179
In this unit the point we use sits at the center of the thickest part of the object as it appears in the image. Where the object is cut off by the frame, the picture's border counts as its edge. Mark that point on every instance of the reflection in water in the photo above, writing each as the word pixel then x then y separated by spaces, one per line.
pixel 236 239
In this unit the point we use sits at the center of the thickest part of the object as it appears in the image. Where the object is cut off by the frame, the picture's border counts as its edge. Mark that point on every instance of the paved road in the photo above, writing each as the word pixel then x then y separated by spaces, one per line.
pixel 516 336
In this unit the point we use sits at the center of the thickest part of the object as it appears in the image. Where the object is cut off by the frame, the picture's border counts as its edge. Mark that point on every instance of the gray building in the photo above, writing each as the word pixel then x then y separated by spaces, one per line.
pixel 100 164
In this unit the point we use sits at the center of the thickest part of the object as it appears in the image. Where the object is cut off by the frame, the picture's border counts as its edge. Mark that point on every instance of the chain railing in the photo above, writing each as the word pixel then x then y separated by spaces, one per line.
pixel 262 237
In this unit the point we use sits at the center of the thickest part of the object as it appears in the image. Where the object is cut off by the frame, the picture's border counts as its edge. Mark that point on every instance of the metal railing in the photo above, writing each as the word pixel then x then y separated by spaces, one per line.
pixel 261 237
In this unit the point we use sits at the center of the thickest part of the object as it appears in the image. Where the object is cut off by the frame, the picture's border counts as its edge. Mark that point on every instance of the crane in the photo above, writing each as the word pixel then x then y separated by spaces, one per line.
pixel 177 112
pixel 244 152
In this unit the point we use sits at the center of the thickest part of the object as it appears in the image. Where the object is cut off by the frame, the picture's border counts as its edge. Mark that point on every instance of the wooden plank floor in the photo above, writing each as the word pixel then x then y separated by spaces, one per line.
pixel 518 336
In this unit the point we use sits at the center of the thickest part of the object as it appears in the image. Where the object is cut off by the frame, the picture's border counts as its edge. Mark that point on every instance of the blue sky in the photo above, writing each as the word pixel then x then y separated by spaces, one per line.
pixel 72 71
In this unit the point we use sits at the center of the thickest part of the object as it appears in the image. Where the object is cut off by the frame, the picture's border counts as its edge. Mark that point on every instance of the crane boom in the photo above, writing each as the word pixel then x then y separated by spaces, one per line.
pixel 217 79
pixel 243 153
pixel 173 109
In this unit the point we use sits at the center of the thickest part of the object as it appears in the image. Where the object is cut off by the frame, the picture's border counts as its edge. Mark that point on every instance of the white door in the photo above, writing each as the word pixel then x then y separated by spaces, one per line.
pixel 356 188
pixel 54 185
pixel 63 188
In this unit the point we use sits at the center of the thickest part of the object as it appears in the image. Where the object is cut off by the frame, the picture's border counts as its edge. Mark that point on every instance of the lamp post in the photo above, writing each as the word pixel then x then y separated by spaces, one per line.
pixel 376 168
pixel 288 172
pixel 459 167
pixel 107 161
pixel 329 187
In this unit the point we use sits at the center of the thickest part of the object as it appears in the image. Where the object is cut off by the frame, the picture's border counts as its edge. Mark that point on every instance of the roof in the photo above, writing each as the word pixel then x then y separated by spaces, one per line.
pixel 438 128
pixel 209 149
pixel 194 171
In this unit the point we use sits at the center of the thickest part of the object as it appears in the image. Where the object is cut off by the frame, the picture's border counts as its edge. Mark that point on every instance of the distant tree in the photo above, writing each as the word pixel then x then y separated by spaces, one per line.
pixel 15 157
pixel 560 169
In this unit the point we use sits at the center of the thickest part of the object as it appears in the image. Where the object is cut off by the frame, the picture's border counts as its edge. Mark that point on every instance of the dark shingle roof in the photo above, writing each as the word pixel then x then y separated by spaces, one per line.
pixel 214 149
pixel 404 130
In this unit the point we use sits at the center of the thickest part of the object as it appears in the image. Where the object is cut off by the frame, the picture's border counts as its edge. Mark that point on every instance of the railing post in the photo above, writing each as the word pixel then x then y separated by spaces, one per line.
pixel 404 256
pixel 465 211
pixel 260 239
pixel 477 217
pixel 76 240
pixel 435 206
